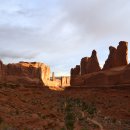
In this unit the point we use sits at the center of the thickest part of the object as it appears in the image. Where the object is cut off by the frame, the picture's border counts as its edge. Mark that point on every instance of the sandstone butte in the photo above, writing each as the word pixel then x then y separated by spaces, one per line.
pixel 29 73
pixel 116 70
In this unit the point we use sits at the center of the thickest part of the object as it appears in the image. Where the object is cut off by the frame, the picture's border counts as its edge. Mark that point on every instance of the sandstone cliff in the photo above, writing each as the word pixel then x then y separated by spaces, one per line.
pixel 27 73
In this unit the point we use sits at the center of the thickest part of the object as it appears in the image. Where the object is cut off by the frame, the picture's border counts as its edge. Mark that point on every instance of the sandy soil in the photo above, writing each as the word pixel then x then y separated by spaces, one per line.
pixel 38 108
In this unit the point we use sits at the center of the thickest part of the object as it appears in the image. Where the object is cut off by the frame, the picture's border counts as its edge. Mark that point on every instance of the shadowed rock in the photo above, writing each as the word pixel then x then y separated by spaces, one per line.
pixel 111 61
pixel 117 57
pixel 90 64
pixel 122 53
pixel 93 64
pixel 83 64
pixel 75 71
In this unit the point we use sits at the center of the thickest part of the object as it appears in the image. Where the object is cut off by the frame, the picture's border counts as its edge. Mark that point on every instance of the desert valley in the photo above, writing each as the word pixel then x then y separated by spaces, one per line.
pixel 91 98
pixel 64 65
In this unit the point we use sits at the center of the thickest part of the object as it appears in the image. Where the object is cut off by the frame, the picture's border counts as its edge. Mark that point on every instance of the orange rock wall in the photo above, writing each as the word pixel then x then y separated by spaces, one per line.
pixel 26 73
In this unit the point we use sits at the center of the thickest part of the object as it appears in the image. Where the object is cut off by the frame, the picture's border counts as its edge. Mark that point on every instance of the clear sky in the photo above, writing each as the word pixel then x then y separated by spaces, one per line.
pixel 61 32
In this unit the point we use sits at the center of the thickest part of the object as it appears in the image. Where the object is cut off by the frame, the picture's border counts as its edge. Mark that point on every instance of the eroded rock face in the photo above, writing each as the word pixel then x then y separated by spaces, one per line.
pixel 118 74
pixel 90 64
pixel 25 73
pixel 111 61
pixel 117 57
pixel 65 81
pixel 122 53
pixel 75 71
pixel 1 69
pixel 93 64
pixel 83 64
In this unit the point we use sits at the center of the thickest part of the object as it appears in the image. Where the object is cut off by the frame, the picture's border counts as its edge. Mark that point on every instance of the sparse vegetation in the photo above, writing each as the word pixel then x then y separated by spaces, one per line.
pixel 75 109
pixel 61 111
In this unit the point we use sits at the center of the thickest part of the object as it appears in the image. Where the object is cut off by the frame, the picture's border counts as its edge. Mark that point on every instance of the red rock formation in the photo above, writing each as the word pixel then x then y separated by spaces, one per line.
pixel 25 73
pixel 83 64
pixel 116 70
pixel 1 69
pixel 122 53
pixel 111 61
pixel 117 76
pixel 93 64
pixel 65 81
pixel 75 71
pixel 53 76
pixel 90 64
pixel 117 57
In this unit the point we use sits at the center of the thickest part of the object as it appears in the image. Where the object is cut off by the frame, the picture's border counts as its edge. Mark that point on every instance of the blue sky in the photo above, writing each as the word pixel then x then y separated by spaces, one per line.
pixel 61 32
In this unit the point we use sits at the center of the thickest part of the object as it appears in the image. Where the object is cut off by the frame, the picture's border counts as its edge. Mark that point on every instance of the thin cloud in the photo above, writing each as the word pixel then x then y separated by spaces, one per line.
pixel 17 55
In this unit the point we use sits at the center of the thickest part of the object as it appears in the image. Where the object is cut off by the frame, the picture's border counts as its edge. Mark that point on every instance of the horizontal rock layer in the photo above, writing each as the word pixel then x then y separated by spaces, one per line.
pixel 27 73
pixel 114 76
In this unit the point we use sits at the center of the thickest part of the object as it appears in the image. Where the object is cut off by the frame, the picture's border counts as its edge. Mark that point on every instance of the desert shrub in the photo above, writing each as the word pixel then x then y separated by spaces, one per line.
pixel 73 109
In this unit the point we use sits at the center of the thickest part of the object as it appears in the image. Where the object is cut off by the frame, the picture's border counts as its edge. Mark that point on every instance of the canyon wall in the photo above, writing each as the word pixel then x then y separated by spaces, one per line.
pixel 115 71
pixel 27 73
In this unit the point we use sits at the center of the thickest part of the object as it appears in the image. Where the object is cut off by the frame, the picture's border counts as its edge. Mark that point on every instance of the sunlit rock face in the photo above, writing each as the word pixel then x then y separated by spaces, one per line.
pixel 117 57
pixel 65 81
pixel 25 73
pixel 30 73
pixel 38 70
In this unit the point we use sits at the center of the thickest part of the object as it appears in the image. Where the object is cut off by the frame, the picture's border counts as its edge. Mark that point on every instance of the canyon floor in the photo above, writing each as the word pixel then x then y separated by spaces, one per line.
pixel 38 108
